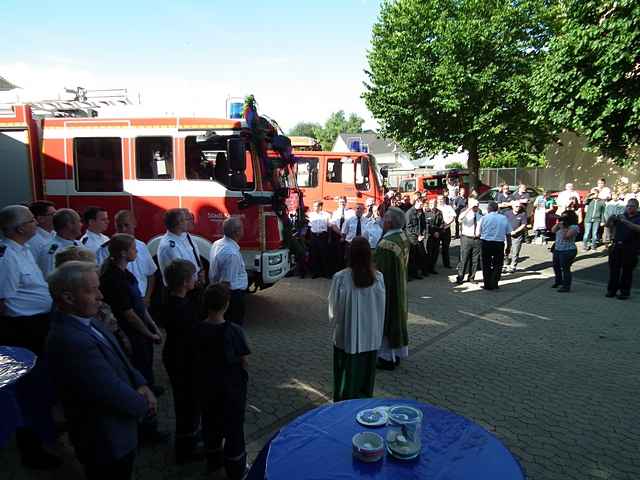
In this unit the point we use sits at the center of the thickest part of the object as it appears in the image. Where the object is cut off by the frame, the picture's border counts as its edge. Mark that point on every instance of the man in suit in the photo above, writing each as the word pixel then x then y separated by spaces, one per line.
pixel 415 229
pixel 103 396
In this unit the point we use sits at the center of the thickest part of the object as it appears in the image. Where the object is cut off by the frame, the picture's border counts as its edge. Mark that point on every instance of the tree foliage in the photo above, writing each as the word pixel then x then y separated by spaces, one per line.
pixel 590 80
pixel 338 123
pixel 450 73
pixel 305 129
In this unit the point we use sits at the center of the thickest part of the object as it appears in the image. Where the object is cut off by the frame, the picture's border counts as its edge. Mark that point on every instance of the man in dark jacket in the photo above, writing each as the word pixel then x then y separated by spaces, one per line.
pixel 434 226
pixel 103 396
pixel 415 229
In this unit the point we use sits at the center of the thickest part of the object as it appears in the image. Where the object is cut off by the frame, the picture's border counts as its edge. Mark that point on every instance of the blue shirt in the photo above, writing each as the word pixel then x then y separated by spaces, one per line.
pixel 494 227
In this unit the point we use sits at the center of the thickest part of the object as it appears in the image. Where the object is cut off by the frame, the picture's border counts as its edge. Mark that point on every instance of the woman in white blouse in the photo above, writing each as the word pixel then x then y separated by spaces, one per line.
pixel 356 315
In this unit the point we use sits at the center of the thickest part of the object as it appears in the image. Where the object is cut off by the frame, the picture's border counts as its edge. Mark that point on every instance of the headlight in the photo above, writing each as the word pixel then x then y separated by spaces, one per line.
pixel 275 259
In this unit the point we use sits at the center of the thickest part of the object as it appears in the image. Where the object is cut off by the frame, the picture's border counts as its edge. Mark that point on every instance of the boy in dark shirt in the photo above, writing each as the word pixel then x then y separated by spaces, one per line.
pixel 518 220
pixel 219 360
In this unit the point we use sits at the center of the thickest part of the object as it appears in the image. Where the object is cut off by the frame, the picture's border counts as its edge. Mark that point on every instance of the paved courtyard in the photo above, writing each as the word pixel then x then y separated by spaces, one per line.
pixel 554 376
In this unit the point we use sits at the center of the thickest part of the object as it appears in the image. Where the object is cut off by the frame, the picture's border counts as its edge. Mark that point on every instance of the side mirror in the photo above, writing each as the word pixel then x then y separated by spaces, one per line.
pixel 236 155
pixel 364 169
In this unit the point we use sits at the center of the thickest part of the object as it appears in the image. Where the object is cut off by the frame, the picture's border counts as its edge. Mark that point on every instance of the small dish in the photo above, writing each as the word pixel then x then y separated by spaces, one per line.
pixel 373 417
pixel 368 446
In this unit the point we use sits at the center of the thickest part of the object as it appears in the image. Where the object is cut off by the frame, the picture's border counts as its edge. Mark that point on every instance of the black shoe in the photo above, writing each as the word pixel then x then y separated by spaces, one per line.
pixel 563 290
pixel 486 287
pixel 459 280
pixel 41 461
pixel 555 285
pixel 623 296
pixel 397 362
pixel 158 390
pixel 448 266
pixel 610 294
pixel 385 365
pixel 433 271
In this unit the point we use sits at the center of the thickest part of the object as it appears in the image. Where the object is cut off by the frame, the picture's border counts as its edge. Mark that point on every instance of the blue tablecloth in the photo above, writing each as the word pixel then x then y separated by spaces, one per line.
pixel 317 445
pixel 15 363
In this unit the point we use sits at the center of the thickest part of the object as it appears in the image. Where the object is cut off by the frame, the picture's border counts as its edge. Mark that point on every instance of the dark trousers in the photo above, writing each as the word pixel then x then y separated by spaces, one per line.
pixel 142 355
pixel 433 249
pixel 562 261
pixel 445 241
pixel 622 261
pixel 417 260
pixel 223 419
pixel 120 469
pixel 469 256
pixel 235 312
pixel 319 254
pixel 492 261
pixel 336 253
pixel 185 407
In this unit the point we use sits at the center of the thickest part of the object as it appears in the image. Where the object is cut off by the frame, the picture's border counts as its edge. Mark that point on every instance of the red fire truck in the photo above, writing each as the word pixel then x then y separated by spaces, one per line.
pixel 149 165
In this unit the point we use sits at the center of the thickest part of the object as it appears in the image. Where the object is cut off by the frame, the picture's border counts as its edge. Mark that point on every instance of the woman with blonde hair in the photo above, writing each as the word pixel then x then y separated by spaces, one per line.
pixel 356 316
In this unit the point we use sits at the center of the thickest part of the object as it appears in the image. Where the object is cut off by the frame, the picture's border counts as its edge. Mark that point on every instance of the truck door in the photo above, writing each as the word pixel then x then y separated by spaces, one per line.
pixel 339 181
pixel 307 179
pixel 16 185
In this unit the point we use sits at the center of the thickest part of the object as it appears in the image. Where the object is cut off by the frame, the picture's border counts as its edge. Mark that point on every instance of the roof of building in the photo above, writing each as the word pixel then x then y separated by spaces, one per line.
pixel 6 85
pixel 377 145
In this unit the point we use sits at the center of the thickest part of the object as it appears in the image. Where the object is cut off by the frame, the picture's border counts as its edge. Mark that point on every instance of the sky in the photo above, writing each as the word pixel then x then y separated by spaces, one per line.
pixel 302 60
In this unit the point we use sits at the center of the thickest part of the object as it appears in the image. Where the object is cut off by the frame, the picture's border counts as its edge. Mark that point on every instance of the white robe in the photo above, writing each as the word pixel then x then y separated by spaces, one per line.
pixel 356 315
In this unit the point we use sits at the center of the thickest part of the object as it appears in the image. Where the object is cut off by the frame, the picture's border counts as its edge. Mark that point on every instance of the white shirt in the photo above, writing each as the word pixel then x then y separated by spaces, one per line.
pixel 174 246
pixel 356 315
pixel 22 285
pixel 469 228
pixel 494 227
pixel 227 265
pixel 564 197
pixel 93 241
pixel 373 232
pixel 448 215
pixel 141 268
pixel 47 256
pixel 319 221
pixel 351 226
pixel 341 213
pixel 605 193
pixel 39 241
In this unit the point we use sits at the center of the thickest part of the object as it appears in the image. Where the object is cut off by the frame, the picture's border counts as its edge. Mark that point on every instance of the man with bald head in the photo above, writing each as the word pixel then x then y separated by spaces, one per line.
pixel 68 227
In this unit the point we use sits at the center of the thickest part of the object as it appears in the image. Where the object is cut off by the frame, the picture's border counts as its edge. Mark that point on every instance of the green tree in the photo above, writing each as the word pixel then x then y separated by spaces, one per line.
pixel 305 129
pixel 338 123
pixel 450 73
pixel 590 80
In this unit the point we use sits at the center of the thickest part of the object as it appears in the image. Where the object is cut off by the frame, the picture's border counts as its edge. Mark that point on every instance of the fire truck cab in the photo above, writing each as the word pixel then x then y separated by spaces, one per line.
pixel 149 165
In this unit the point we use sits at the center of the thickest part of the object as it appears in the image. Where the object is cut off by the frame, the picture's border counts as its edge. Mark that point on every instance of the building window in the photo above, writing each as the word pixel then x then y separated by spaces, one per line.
pixel 307 172
pixel 340 170
pixel 98 164
pixel 154 158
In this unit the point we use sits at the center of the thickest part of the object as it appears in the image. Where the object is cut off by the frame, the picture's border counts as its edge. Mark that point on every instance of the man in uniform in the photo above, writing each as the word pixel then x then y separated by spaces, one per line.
pixel 318 250
pixel 517 218
pixel 435 224
pixel 469 220
pixel 43 211
pixel 176 244
pixel 504 198
pixel 352 228
pixel 448 219
pixel 391 258
pixel 25 304
pixel 68 227
pixel 623 254
pixel 459 204
pixel 226 265
pixel 97 221
pixel 336 244
pixel 415 230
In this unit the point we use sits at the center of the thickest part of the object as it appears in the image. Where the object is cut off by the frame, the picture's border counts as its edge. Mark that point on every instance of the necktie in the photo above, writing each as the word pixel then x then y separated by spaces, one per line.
pixel 359 228
pixel 475 225
pixel 195 254
pixel 341 219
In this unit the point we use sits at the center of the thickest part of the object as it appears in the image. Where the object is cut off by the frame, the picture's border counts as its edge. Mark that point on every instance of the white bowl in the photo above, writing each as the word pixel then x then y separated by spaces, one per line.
pixel 368 446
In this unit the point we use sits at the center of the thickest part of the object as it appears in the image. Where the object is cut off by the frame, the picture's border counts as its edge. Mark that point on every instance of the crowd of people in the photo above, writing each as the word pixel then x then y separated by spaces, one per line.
pixel 82 304
pixel 94 308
